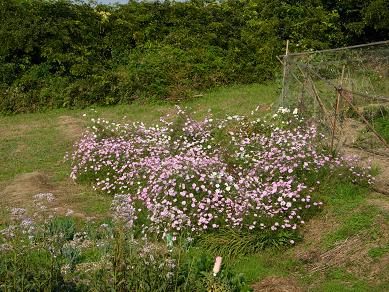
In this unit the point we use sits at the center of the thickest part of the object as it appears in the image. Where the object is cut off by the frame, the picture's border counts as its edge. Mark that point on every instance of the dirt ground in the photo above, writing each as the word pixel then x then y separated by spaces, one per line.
pixel 20 191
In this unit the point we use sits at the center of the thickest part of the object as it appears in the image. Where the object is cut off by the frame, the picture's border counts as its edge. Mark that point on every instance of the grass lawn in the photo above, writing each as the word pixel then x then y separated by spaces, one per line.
pixel 344 248
pixel 33 146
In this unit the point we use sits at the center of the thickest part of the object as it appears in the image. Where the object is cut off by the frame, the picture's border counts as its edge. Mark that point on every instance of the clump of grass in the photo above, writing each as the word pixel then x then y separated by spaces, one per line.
pixel 382 126
pixel 378 116
pixel 233 243
pixel 378 252
pixel 353 225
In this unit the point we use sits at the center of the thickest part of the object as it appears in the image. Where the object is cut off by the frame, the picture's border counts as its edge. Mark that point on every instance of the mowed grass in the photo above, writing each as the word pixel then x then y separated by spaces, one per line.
pixel 344 248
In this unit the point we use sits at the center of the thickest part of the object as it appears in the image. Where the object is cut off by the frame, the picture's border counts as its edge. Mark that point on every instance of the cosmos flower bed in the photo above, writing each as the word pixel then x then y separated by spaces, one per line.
pixel 186 177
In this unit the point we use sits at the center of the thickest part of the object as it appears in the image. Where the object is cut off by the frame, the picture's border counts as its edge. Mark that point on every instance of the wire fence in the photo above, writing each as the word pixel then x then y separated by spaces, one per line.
pixel 338 89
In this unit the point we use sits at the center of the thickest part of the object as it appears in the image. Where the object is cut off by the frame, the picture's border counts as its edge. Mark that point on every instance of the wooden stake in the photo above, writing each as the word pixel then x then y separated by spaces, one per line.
pixel 316 96
pixel 380 153
pixel 303 88
pixel 338 96
pixel 364 119
pixel 279 60
pixel 318 99
pixel 284 91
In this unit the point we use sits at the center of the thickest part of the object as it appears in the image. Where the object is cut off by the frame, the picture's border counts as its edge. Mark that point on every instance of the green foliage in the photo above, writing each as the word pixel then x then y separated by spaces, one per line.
pixel 29 270
pixel 362 20
pixel 232 243
pixel 102 258
pixel 341 196
pixel 381 125
pixel 353 225
pixel 64 226
pixel 377 252
pixel 378 116
pixel 66 54
pixel 341 280
pixel 374 112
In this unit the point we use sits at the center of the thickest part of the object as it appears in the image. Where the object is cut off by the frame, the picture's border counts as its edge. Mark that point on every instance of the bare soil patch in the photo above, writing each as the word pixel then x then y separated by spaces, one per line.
pixel 313 234
pixel 378 272
pixel 349 251
pixel 71 127
pixel 14 131
pixel 21 148
pixel 350 131
pixel 352 254
pixel 381 203
pixel 276 284
pixel 21 189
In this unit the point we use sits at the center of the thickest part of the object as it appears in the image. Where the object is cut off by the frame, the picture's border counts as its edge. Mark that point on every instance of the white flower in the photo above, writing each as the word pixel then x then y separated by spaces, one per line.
pixel 295 111
pixel 69 212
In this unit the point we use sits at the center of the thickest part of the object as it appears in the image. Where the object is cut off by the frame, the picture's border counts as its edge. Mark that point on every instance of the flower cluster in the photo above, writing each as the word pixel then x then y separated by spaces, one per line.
pixel 186 177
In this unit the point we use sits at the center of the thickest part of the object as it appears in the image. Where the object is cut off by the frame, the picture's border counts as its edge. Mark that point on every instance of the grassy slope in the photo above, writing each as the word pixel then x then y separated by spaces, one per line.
pixel 344 248
pixel 35 144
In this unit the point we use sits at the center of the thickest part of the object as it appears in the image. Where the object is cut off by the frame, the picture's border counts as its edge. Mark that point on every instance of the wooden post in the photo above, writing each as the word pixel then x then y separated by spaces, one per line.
pixel 338 96
pixel 303 88
pixel 284 75
pixel 316 97
pixel 348 82
pixel 364 119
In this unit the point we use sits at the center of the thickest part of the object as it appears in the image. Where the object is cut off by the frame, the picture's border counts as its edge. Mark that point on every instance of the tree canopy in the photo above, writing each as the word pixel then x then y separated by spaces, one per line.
pixel 65 54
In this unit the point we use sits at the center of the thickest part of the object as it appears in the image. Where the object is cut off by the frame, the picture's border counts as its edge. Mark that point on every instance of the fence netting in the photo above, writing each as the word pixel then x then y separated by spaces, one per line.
pixel 344 91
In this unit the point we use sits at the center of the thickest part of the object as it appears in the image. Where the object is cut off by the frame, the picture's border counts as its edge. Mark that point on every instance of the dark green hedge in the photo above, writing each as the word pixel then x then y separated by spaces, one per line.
pixel 65 54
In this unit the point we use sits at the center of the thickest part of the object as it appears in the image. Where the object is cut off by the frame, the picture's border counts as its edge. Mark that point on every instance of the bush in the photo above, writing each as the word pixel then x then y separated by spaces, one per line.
pixel 110 54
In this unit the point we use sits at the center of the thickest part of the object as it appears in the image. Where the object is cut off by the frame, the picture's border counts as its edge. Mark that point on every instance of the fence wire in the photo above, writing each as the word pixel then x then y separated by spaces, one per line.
pixel 336 87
